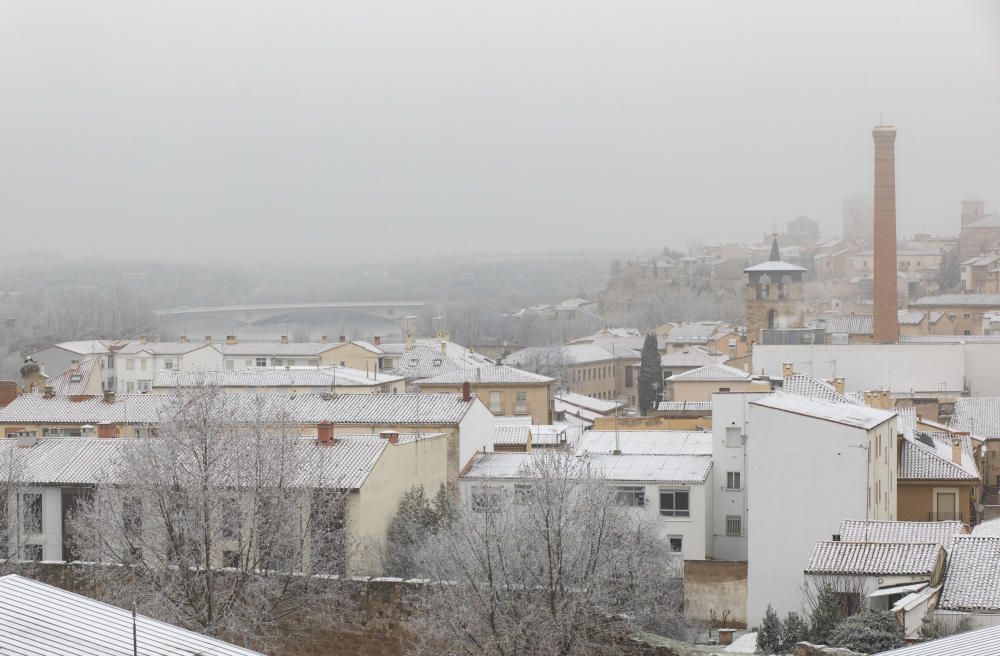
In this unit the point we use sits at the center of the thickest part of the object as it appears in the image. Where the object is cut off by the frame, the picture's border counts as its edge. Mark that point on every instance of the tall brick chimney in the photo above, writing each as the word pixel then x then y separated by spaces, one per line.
pixel 886 320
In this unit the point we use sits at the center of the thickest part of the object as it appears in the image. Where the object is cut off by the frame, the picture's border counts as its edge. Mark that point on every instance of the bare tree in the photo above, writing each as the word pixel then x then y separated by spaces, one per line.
pixel 556 567
pixel 218 525
pixel 20 513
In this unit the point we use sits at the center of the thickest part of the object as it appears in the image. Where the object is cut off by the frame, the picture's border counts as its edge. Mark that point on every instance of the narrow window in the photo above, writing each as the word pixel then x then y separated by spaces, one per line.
pixel 733 481
pixel 734 525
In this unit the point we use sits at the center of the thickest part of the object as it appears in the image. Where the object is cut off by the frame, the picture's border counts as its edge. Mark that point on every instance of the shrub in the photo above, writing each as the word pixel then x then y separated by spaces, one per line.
pixel 827 613
pixel 769 636
pixel 869 632
pixel 793 630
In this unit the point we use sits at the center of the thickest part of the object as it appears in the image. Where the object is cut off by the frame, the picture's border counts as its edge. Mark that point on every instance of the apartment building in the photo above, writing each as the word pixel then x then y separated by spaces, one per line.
pixel 504 389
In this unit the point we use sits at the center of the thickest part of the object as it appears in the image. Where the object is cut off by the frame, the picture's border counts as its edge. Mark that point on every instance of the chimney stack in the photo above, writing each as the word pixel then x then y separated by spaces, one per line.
pixel 466 392
pixel 377 340
pixel 787 369
pixel 886 320
pixel 49 391
pixel 343 338
pixel 230 339
pixel 956 451
pixel 323 339
pixel 142 339
pixel 156 339
pixel 324 433
pixel 392 436
pixel 107 429
pixel 284 339
pixel 838 385
pixel 109 396
pixel 183 339
pixel 208 339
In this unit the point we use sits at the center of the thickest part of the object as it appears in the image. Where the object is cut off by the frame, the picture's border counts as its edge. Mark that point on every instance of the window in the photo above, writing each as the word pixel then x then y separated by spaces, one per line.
pixel 674 503
pixel 261 362
pixel 143 385
pixel 31 512
pixel 32 552
pixel 676 543
pixel 437 362
pixel 628 376
pixel 130 363
pixel 229 365
pixel 291 363
pixel 249 363
pixel 522 492
pixel 723 389
pixel 520 403
pixel 496 402
pixel 486 499
pixel 733 481
pixel 386 363
pixel 76 378
pixel 143 364
pixel 231 558
pixel 130 387
pixel 734 525
pixel 630 495
pixel 734 436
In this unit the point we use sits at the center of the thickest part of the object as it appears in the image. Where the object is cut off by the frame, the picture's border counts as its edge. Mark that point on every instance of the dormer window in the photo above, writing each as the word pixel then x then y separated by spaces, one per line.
pixel 437 362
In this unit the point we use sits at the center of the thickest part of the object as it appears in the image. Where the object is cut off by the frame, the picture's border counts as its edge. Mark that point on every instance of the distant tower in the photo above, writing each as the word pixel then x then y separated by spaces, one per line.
pixel 972 210
pixel 885 319
pixel 858 215
pixel 774 294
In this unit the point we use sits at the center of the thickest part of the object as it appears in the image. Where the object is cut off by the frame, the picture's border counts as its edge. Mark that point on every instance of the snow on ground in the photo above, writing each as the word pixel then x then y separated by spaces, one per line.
pixel 745 644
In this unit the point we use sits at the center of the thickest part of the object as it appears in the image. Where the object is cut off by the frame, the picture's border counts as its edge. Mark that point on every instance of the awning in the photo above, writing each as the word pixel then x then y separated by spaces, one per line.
pixel 898 589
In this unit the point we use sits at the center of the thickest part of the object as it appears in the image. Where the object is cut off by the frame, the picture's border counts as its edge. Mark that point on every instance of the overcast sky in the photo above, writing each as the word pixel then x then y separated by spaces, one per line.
pixel 248 128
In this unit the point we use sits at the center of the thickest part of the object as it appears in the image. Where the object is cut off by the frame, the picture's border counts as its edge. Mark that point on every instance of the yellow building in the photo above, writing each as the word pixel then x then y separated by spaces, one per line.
pixel 503 389
pixel 938 478
pixel 700 384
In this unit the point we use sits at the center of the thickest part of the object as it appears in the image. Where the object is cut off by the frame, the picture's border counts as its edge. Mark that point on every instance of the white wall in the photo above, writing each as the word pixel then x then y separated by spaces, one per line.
pixel 475 432
pixel 729 410
pixel 806 475
pixel 51 536
pixel 692 530
pixel 899 368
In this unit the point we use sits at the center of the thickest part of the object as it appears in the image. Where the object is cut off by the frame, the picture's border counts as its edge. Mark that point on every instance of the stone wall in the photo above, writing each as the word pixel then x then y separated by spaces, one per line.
pixel 713 588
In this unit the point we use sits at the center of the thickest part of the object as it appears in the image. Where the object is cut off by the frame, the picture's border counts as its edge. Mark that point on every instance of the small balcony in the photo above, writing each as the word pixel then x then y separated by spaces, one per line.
pixel 945 517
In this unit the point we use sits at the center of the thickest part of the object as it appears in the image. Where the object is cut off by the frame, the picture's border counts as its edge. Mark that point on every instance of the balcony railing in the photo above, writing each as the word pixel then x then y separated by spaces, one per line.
pixel 944 517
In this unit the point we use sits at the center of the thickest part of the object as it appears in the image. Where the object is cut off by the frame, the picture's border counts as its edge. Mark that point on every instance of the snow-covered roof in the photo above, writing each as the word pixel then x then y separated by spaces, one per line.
pixel 36 618
pixel 490 374
pixel 684 406
pixel 858 416
pixel 86 347
pixel 651 468
pixel 326 377
pixel 645 442
pixel 987 528
pixel 600 406
pixel 345 464
pixel 860 530
pixel 161 348
pixel 980 642
pixel 911 317
pixel 874 558
pixel 712 372
pixel 928 456
pixel 631 468
pixel 695 332
pixel 851 324
pixel 75 380
pixel 427 358
pixel 355 409
pixel 691 357
pixel 773 266
pixel 973 580
pixel 979 415
pixel 276 349
pixel 958 300
pixel 813 388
